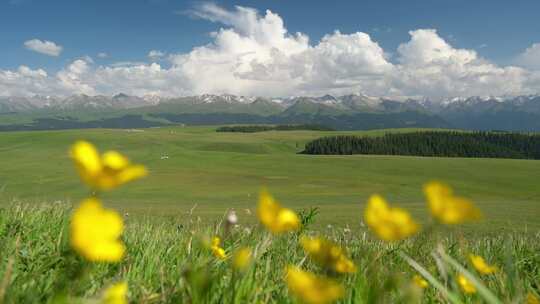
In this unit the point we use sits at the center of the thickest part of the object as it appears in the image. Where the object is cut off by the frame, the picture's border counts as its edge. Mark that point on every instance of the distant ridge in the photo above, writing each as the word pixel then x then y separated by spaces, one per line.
pixel 353 111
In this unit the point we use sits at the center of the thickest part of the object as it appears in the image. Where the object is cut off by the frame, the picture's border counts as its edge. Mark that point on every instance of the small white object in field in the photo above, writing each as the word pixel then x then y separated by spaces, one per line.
pixel 232 218
pixel 164 157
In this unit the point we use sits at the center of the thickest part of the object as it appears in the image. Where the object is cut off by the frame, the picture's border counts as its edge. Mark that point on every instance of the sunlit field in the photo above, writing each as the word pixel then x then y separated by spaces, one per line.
pixel 187 215
pixel 197 170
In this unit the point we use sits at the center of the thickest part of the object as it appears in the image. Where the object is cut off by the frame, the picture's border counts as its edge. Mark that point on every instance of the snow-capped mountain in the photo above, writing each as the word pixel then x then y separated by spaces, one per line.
pixel 351 102
pixel 476 112
pixel 74 102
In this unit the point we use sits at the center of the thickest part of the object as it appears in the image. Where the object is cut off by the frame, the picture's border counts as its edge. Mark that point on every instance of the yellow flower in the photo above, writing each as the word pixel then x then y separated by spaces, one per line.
pixel 116 294
pixel 480 264
pixel 95 232
pixel 532 299
pixel 389 223
pixel 216 249
pixel 420 282
pixel 311 288
pixel 328 254
pixel 465 284
pixel 274 217
pixel 241 259
pixel 446 207
pixel 103 172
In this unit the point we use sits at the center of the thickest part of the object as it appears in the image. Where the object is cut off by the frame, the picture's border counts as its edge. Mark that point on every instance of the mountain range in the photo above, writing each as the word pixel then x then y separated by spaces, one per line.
pixel 347 112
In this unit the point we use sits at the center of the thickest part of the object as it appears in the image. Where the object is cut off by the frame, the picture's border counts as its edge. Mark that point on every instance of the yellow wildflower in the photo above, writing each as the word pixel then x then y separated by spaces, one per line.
pixel 216 249
pixel 446 207
pixel 95 232
pixel 480 264
pixel 328 254
pixel 532 299
pixel 389 223
pixel 274 217
pixel 465 284
pixel 116 294
pixel 311 288
pixel 420 282
pixel 242 259
pixel 103 172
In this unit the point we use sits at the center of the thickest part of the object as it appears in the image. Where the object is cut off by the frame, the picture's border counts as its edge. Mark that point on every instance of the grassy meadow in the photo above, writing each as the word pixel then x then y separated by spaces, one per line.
pixel 197 175
pixel 197 170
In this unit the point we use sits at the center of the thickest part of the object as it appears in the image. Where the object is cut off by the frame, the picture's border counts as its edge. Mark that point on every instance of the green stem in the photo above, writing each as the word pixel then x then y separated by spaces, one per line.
pixel 233 283
pixel 452 297
pixel 482 289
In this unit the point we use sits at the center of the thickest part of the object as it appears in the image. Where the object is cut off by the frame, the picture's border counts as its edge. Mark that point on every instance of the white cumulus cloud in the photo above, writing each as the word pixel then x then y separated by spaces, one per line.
pixel 253 53
pixel 530 58
pixel 430 66
pixel 44 47
pixel 25 81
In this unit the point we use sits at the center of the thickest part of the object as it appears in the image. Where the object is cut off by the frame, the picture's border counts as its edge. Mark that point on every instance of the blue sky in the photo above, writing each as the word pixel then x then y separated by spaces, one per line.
pixel 126 30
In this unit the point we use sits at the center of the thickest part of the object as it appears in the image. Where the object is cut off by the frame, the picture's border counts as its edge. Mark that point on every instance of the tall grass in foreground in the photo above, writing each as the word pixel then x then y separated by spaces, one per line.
pixel 168 261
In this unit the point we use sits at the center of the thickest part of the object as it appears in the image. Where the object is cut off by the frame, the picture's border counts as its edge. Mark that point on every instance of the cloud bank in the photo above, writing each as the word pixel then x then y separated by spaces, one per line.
pixel 254 54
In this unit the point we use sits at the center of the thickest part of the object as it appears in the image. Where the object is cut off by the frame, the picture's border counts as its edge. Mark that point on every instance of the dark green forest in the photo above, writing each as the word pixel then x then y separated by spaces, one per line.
pixel 443 144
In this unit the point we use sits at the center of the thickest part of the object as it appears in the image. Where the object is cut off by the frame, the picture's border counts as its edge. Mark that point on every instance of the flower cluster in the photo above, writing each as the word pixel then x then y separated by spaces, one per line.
pixel 328 254
pixel 311 288
pixel 106 171
pixel 448 208
pixel 95 231
pixel 274 217
pixel 393 223
pixel 388 223
pixel 308 287
pixel 480 265
pixel 216 248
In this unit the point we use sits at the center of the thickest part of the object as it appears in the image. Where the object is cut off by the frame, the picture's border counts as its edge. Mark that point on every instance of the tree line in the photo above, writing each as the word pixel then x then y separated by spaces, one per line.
pixel 433 143
pixel 262 128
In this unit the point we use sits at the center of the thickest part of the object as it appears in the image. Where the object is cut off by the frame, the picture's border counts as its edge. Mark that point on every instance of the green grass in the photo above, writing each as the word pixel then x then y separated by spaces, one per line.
pixel 213 172
pixel 166 263
pixel 185 197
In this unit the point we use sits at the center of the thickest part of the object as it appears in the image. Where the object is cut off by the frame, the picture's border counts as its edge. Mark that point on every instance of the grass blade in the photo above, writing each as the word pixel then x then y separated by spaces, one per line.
pixel 452 297
pixel 483 291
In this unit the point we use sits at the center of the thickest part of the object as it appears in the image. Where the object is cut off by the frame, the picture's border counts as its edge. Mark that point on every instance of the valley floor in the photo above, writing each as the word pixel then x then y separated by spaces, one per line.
pixel 198 170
